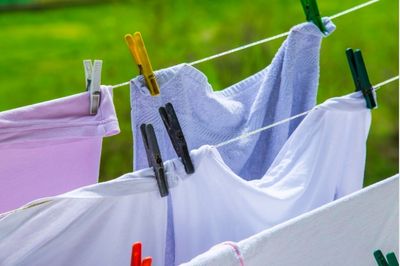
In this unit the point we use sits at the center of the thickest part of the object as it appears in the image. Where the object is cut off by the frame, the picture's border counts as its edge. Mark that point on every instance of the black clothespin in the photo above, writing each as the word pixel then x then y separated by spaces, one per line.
pixel 360 76
pixel 312 14
pixel 154 157
pixel 175 133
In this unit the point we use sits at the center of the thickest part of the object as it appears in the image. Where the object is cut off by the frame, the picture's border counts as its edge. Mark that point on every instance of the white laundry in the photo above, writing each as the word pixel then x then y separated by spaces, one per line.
pixel 345 232
pixel 323 160
pixel 94 225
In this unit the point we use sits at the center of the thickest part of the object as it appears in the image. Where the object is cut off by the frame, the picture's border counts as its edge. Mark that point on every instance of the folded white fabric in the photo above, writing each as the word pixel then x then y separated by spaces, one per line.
pixel 344 232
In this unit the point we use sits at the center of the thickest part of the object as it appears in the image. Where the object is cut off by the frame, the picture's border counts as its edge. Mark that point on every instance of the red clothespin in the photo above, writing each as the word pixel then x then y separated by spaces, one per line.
pixel 136 257
pixel 147 261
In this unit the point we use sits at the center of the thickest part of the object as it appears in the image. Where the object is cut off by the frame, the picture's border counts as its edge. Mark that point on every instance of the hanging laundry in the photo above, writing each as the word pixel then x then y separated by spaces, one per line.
pixel 345 232
pixel 323 160
pixel 93 225
pixel 286 87
pixel 52 147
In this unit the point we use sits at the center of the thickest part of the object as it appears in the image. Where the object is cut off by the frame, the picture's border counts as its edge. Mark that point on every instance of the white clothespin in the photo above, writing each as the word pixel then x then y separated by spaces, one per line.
pixel 93 82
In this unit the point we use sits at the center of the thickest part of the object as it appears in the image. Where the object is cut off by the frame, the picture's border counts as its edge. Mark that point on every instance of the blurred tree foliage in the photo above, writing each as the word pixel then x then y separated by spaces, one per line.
pixel 42 53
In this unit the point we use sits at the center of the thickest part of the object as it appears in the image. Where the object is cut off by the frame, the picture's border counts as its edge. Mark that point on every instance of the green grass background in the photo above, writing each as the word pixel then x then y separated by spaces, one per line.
pixel 41 55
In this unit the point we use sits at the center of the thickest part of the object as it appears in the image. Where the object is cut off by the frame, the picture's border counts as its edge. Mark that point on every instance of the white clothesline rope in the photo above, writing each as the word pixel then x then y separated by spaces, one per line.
pixel 379 85
pixel 263 40
pixel 277 36
pixel 248 134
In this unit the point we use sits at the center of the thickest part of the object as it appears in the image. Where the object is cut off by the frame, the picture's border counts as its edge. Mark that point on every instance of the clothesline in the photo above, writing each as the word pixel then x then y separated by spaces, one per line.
pixel 263 40
pixel 248 134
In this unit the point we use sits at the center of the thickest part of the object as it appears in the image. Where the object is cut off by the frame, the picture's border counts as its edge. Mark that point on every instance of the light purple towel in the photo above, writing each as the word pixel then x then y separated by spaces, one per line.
pixel 286 87
pixel 52 147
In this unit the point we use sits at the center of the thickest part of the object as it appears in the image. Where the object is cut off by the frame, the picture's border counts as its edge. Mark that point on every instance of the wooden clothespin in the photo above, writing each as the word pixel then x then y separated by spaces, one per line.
pixel 93 82
pixel 139 54
pixel 154 157
pixel 312 14
pixel 175 133
pixel 360 76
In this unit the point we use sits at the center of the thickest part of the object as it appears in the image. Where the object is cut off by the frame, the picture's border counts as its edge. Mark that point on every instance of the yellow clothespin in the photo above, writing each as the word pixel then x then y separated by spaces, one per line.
pixel 139 54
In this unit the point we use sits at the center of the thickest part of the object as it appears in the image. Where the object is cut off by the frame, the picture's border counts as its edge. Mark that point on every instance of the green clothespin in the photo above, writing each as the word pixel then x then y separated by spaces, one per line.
pixel 380 259
pixel 312 14
pixel 392 260
pixel 360 76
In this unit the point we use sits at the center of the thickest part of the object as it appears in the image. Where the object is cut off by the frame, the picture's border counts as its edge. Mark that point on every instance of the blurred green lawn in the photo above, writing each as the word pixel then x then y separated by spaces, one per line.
pixel 42 53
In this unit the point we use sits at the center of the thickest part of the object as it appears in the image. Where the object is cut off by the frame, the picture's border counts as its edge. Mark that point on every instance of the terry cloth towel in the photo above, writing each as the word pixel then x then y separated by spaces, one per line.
pixel 345 232
pixel 286 87
pixel 52 147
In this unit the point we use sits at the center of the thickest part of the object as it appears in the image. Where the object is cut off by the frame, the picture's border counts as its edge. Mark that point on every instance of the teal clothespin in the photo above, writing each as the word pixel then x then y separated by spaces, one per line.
pixel 360 76
pixel 380 259
pixel 392 260
pixel 312 14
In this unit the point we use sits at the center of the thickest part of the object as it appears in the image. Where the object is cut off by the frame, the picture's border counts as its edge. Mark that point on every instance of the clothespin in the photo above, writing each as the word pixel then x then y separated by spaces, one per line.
pixel 380 259
pixel 147 261
pixel 360 76
pixel 392 260
pixel 154 157
pixel 175 133
pixel 312 14
pixel 93 82
pixel 136 257
pixel 139 54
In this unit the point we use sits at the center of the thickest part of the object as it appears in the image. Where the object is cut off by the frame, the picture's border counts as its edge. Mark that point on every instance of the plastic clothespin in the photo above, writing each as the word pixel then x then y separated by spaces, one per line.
pixel 147 261
pixel 136 257
pixel 139 54
pixel 392 260
pixel 93 82
pixel 175 133
pixel 154 157
pixel 380 259
pixel 312 14
pixel 360 76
